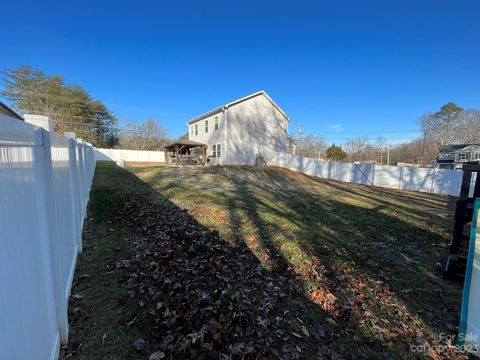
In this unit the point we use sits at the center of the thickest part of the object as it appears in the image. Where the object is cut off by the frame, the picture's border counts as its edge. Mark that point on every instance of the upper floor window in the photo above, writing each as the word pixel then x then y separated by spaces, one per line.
pixel 196 129
pixel 206 126
pixel 216 122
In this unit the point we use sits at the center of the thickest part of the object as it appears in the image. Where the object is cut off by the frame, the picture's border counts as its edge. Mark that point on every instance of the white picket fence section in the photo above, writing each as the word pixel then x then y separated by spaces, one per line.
pixel 437 181
pixel 129 155
pixel 45 181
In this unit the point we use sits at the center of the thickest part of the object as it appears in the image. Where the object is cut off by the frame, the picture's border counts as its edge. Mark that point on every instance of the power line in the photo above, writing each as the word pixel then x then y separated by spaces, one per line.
pixel 372 132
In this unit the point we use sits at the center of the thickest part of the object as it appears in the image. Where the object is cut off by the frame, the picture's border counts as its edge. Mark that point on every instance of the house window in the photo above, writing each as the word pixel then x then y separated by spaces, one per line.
pixel 217 150
pixel 196 129
pixel 463 156
pixel 206 126
pixel 191 129
pixel 216 122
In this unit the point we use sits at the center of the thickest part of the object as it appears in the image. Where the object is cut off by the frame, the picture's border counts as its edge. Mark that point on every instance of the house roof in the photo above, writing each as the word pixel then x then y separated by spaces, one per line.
pixel 185 142
pixel 235 102
pixel 9 111
pixel 454 147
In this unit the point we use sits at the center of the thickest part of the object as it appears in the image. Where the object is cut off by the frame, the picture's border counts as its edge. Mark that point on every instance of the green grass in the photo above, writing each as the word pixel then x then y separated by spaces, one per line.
pixel 374 251
pixel 100 318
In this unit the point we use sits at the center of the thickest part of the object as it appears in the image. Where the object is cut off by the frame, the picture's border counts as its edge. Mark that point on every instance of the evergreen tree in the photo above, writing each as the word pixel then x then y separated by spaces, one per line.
pixel 335 152
pixel 70 106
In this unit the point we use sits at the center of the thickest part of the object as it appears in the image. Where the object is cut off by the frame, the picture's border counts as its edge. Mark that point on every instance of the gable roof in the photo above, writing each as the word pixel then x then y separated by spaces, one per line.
pixel 455 147
pixel 10 112
pixel 238 101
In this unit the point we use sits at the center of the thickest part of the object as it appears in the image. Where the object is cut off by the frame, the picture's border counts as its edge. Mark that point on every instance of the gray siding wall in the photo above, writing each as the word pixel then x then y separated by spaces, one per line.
pixel 255 127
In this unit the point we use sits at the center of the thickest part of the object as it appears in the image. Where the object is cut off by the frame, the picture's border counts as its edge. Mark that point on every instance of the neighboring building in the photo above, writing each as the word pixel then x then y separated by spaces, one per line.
pixel 7 112
pixel 454 156
pixel 235 133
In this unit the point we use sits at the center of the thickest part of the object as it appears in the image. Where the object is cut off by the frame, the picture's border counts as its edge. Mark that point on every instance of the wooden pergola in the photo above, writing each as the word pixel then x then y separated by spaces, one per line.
pixel 181 152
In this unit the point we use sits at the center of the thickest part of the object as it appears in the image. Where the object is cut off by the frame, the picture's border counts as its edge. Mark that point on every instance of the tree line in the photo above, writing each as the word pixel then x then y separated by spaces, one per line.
pixel 73 109
pixel 451 124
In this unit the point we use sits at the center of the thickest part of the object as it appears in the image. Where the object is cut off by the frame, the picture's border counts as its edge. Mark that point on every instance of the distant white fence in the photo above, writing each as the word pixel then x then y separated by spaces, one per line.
pixel 45 180
pixel 129 155
pixel 438 181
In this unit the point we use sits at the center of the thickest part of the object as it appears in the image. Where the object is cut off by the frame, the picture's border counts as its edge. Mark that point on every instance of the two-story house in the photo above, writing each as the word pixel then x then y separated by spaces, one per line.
pixel 454 156
pixel 235 133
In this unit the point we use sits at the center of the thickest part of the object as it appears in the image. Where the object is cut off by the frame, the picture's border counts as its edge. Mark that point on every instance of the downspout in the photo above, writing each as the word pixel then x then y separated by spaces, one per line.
pixel 225 111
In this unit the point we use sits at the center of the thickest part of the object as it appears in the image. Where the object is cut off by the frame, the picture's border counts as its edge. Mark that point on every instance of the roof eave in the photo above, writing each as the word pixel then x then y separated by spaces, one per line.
pixel 226 106
pixel 11 111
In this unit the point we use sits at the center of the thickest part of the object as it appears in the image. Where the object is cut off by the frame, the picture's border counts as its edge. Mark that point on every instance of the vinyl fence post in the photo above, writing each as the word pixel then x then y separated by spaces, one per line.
pixel 373 174
pixel 400 178
pixel 73 165
pixel 61 304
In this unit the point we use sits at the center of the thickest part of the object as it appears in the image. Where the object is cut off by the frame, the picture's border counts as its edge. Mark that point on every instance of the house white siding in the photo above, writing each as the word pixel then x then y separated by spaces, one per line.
pixel 212 137
pixel 254 126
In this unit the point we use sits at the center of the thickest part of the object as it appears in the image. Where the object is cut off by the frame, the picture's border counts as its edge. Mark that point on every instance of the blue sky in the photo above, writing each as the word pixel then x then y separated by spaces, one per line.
pixel 341 68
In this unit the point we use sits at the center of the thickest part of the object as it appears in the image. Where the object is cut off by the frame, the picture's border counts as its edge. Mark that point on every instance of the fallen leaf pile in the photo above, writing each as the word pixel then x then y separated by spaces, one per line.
pixel 210 300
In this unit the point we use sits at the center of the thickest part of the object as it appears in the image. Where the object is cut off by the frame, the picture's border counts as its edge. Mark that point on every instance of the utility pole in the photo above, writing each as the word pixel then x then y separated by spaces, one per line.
pixel 299 131
pixel 388 155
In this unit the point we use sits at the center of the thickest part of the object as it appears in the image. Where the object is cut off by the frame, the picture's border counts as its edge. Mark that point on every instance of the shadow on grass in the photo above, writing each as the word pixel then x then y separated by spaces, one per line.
pixel 370 270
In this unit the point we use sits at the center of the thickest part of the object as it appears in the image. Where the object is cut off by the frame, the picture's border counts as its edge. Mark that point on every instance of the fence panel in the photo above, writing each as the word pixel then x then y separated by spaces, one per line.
pixel 448 182
pixel 129 155
pixel 310 166
pixel 324 169
pixel 387 176
pixel 363 174
pixel 418 179
pixel 343 172
pixel 39 233
pixel 439 181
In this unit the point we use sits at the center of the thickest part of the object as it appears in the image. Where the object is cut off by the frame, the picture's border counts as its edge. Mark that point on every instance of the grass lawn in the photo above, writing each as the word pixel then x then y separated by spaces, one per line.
pixel 318 268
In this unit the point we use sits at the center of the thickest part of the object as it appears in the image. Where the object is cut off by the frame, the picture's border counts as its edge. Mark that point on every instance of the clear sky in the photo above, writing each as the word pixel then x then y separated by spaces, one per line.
pixel 341 68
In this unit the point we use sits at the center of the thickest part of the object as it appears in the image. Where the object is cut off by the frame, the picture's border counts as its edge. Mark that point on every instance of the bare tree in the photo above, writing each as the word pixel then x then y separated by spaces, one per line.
pixel 313 147
pixel 356 147
pixel 468 131
pixel 149 135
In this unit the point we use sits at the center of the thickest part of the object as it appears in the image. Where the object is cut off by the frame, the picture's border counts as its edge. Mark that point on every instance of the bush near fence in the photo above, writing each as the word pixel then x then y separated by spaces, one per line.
pixel 431 180
pixel 45 181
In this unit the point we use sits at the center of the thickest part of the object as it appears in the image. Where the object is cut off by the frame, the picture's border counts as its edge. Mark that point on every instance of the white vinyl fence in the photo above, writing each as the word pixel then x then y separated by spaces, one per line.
pixel 45 180
pixel 438 181
pixel 129 155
